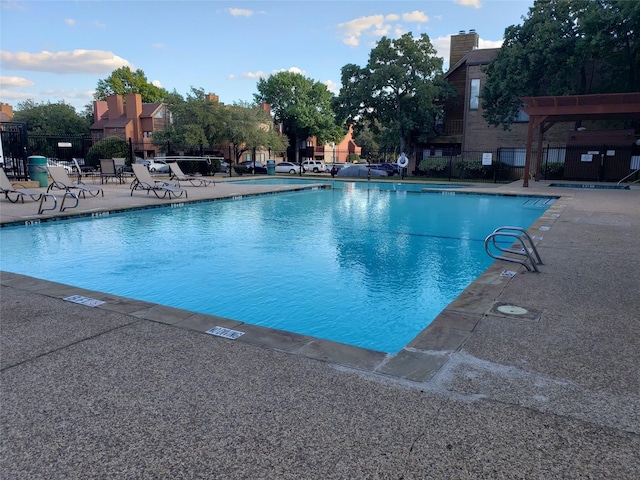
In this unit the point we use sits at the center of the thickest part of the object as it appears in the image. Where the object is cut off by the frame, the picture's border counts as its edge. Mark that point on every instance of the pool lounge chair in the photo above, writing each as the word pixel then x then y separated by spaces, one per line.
pixel 109 170
pixel 177 174
pixel 9 190
pixel 160 188
pixel 60 181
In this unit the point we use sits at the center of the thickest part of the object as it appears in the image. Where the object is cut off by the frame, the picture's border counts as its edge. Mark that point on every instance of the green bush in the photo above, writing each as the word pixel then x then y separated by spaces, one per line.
pixel 110 147
pixel 433 164
pixel 353 158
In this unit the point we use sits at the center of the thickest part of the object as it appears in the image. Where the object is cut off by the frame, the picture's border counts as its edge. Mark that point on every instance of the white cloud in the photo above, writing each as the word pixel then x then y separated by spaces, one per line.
pixel 158 45
pixel 75 61
pixel 239 12
pixel 332 86
pixel 251 75
pixel 157 83
pixel 482 43
pixel 415 16
pixel 9 96
pixel 99 24
pixel 11 82
pixel 378 26
pixel 469 3
pixel 70 21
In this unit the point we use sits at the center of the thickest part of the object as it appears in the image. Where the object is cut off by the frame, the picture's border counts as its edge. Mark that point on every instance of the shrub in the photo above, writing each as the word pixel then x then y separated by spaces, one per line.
pixel 110 147
pixel 433 164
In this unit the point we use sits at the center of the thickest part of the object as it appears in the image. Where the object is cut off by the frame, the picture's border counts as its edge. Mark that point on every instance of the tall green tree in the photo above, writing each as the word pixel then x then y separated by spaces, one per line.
pixel 564 48
pixel 196 121
pixel 124 80
pixel 250 127
pixel 400 88
pixel 199 122
pixel 51 118
pixel 303 107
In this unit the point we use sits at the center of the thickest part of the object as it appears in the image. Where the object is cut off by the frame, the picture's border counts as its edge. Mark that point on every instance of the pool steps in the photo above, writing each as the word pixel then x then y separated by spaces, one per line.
pixel 524 256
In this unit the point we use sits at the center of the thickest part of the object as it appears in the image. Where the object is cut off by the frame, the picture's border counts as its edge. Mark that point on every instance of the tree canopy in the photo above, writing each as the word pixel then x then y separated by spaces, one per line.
pixel 51 118
pixel 123 80
pixel 200 122
pixel 401 89
pixel 564 48
pixel 302 105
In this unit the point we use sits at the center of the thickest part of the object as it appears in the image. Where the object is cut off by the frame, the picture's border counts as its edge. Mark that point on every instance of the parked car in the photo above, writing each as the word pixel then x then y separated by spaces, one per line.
pixel 159 166
pixel 224 165
pixel 251 167
pixel 314 166
pixel 382 168
pixel 361 171
pixel 287 167
pixel 53 162
pixel 392 167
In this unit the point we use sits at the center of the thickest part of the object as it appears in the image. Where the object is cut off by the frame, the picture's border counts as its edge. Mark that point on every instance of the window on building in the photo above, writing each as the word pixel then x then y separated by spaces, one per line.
pixel 247 157
pixel 474 94
pixel 260 157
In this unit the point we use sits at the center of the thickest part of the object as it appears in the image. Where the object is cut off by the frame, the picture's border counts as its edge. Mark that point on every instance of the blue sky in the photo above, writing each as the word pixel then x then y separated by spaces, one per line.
pixel 58 50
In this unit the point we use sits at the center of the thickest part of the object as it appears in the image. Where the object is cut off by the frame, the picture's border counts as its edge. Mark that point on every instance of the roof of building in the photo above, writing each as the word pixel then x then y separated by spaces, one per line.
pixel 148 111
pixel 479 56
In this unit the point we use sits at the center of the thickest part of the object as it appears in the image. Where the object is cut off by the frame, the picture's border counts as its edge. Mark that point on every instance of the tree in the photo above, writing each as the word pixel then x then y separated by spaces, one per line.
pixel 196 121
pixel 401 88
pixel 123 80
pixel 564 48
pixel 199 122
pixel 51 118
pixel 250 127
pixel 302 106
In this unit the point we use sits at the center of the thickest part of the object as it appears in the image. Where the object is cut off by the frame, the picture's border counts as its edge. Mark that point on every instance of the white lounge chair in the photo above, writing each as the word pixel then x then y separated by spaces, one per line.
pixel 60 181
pixel 9 190
pixel 177 174
pixel 160 188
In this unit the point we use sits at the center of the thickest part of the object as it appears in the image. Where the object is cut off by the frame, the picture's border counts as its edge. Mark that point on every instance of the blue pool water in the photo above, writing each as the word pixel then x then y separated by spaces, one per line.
pixel 368 268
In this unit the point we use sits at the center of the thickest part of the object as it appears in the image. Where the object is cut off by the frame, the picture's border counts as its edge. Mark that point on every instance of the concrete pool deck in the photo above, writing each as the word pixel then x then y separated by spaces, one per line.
pixel 132 389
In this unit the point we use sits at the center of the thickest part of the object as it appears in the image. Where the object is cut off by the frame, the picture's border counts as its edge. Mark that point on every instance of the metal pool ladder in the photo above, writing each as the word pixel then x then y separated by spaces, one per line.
pixel 524 256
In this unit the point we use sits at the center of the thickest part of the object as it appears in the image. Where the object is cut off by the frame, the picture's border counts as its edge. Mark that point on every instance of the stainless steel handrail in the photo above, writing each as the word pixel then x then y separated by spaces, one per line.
pixel 528 247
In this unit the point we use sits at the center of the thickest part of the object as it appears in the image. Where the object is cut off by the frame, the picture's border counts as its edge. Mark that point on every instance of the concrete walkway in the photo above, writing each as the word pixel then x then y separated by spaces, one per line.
pixel 129 389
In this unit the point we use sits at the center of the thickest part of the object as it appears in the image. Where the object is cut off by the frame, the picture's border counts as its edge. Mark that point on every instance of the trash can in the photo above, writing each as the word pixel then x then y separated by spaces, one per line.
pixel 271 167
pixel 38 172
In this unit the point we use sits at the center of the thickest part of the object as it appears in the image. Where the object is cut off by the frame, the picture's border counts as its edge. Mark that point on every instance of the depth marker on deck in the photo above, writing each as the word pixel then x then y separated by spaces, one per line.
pixel 224 332
pixel 89 302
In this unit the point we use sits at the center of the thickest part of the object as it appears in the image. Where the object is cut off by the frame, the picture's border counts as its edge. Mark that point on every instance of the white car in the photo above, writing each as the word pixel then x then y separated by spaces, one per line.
pixel 55 163
pixel 159 166
pixel 287 167
pixel 314 166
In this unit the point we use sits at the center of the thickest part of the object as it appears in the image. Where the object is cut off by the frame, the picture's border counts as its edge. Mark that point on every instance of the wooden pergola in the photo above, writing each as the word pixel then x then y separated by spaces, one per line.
pixel 544 112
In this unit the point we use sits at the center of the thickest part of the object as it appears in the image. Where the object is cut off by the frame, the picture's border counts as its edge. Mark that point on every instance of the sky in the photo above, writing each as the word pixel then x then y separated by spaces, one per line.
pixel 52 51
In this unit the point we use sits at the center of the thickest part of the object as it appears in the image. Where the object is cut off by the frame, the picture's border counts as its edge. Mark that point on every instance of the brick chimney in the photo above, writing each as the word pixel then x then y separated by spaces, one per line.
pixel 133 105
pixel 99 109
pixel 461 44
pixel 116 106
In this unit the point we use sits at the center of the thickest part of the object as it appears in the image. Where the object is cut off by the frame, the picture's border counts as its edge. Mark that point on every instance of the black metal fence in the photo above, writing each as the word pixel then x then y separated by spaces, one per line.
pixel 602 163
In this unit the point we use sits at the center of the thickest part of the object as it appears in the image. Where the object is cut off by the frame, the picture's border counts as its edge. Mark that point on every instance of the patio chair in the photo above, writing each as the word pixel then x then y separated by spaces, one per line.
pixel 177 174
pixel 60 181
pixel 109 170
pixel 160 188
pixel 9 189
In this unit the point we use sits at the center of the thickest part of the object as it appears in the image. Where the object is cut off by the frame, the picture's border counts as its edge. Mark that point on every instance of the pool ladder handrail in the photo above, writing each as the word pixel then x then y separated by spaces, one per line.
pixel 528 251
pixel 630 175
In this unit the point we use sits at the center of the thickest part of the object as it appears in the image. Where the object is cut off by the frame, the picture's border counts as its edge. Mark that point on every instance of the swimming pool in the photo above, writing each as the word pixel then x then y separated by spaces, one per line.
pixel 368 268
